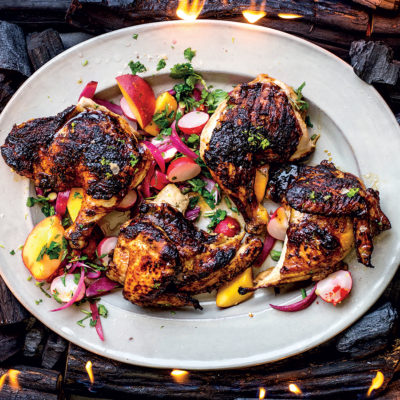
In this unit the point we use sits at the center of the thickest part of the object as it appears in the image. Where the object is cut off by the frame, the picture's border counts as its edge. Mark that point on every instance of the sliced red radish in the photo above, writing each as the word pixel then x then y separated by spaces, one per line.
pixel 105 247
pixel 64 287
pixel 61 203
pixel 300 305
pixel 126 109
pixel 229 227
pixel 128 201
pixel 182 169
pixel 89 90
pixel 159 180
pixel 278 224
pixel 335 287
pixel 193 122
pixel 169 154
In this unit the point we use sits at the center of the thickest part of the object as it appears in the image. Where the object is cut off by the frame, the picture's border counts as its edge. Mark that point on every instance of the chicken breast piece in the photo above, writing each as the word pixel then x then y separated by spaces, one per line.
pixel 260 123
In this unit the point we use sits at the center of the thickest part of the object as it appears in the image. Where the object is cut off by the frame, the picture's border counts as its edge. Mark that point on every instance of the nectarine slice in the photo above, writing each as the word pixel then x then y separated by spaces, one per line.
pixel 44 248
pixel 75 202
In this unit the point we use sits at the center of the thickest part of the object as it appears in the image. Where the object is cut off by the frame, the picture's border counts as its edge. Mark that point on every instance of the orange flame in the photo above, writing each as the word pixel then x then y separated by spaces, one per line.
pixel 295 389
pixel 252 15
pixel 12 375
pixel 289 16
pixel 89 371
pixel 179 375
pixel 376 382
pixel 189 12
pixel 261 394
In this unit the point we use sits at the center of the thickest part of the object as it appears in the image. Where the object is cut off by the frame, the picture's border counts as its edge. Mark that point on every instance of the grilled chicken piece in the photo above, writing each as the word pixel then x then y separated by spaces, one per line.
pixel 329 212
pixel 162 259
pixel 260 123
pixel 84 146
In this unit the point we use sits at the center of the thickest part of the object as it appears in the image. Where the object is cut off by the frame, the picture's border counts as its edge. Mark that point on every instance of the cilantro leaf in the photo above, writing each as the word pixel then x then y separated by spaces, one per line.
pixel 189 54
pixel 216 218
pixel 352 192
pixel 161 64
pixel 136 67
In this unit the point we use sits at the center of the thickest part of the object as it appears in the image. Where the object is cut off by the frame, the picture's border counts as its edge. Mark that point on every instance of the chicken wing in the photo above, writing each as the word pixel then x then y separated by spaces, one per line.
pixel 329 212
pixel 162 259
pixel 261 123
pixel 84 146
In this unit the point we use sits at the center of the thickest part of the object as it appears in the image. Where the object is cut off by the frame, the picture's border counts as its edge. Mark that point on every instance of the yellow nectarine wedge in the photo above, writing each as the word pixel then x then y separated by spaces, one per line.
pixel 140 97
pixel 260 185
pixel 75 202
pixel 44 248
pixel 228 294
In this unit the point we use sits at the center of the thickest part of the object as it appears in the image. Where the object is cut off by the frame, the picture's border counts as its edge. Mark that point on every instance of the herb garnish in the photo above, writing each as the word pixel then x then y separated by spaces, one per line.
pixel 352 192
pixel 229 204
pixel 77 195
pixel 216 217
pixel 136 67
pixel 300 103
pixel 47 208
pixel 275 255
pixel 134 160
pixel 135 36
pixel 309 123
pixel 198 186
pixel 53 250
pixel 312 196
pixel 189 54
pixel 12 252
pixel 161 64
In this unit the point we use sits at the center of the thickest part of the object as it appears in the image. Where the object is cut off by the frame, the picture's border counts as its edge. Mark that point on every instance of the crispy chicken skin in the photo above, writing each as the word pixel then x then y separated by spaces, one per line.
pixel 84 146
pixel 162 259
pixel 329 212
pixel 259 124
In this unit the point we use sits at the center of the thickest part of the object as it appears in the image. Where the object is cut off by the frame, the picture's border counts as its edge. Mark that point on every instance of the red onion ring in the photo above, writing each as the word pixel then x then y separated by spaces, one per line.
pixel 96 317
pixel 112 107
pixel 179 145
pixel 269 242
pixel 300 305
pixel 89 90
pixel 156 154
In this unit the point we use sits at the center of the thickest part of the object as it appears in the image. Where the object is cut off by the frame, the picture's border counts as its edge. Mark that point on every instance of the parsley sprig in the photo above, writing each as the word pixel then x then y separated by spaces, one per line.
pixel 216 217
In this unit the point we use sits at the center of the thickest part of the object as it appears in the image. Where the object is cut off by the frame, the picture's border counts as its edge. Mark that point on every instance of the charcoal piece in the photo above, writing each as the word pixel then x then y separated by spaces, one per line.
pixel 373 62
pixel 10 341
pixel 71 39
pixel 8 393
pixel 43 46
pixel 11 311
pixel 53 350
pixel 13 56
pixel 34 339
pixel 370 334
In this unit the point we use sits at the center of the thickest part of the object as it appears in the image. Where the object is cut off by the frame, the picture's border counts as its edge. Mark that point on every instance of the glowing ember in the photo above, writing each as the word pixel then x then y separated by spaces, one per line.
pixel 253 16
pixel 289 16
pixel 295 389
pixel 189 12
pixel 261 394
pixel 89 371
pixel 12 375
pixel 376 382
pixel 179 375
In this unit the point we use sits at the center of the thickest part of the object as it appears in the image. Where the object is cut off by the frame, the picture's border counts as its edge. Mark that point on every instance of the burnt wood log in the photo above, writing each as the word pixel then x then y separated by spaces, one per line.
pixel 373 62
pixel 10 340
pixel 8 393
pixel 386 25
pixel 385 4
pixel 43 46
pixel 371 333
pixel 341 378
pixel 38 379
pixel 11 311
pixel 53 350
pixel 34 340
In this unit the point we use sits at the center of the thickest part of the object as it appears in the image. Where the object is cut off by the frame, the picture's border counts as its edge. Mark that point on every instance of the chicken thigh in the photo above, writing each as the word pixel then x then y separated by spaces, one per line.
pixel 162 259
pixel 262 122
pixel 329 212
pixel 84 146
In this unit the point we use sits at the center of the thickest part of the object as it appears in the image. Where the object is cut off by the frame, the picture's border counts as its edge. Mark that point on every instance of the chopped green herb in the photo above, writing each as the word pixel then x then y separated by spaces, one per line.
pixel 156 285
pixel 12 252
pixel 163 118
pixel 352 192
pixel 63 279
pixel 66 221
pixel 84 63
pixel 173 312
pixel 29 278
pixel 213 99
pixel 193 202
pixel 309 123
pixel 327 197
pixel 38 301
pixel 40 286
pixel 47 208
pixel 312 196
pixel 136 67
pixel 56 298
pixel 229 204
pixel 135 36
pixel 134 160
pixel 52 250
pixel 256 139
pixel 189 54
pixel 193 140
pixel 161 64
pixel 77 195
pixel 300 103
pixel 313 136
pixel 216 218
pixel 303 293
pixel 275 255
pixel 198 186
pixel 103 311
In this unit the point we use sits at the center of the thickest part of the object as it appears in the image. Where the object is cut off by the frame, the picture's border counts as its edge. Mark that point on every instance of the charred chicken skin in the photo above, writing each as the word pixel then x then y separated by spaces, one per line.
pixel 162 259
pixel 84 146
pixel 329 212
pixel 261 123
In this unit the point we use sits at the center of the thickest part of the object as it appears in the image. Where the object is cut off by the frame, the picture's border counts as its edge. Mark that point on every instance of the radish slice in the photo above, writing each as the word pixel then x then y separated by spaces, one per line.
pixel 128 201
pixel 335 287
pixel 61 203
pixel 193 122
pixel 126 109
pixel 169 154
pixel 65 292
pixel 229 227
pixel 93 275
pixel 269 242
pixel 80 287
pixel 300 305
pixel 159 180
pixel 105 247
pixel 182 169
pixel 96 318
pixel 179 145
pixel 89 90
pixel 278 224
pixel 115 108
pixel 156 155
